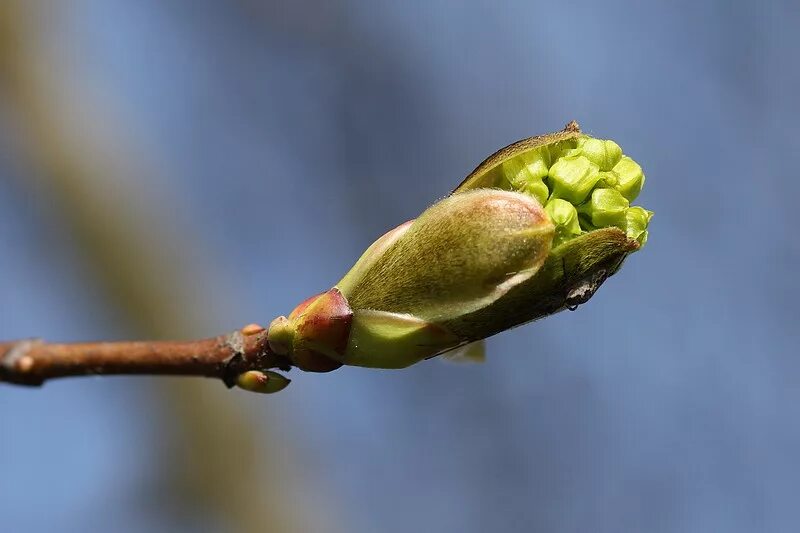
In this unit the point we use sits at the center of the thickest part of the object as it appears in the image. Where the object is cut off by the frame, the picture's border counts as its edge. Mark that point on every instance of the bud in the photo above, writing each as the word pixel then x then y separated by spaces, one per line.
pixel 606 208
pixel 565 217
pixel 265 382
pixel 485 259
pixel 630 178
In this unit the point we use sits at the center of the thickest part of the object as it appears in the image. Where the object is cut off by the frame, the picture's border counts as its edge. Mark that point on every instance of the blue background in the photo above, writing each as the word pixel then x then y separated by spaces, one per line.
pixel 182 168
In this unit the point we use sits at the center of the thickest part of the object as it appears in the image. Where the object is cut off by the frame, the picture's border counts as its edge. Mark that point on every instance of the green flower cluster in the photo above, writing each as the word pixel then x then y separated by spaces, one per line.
pixel 583 183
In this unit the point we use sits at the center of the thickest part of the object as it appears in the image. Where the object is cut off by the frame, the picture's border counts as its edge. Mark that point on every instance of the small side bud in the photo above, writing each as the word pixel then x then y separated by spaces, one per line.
pixel 264 382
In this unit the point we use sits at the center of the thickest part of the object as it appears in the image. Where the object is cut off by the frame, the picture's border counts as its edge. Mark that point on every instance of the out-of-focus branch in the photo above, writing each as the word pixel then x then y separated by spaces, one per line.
pixel 32 362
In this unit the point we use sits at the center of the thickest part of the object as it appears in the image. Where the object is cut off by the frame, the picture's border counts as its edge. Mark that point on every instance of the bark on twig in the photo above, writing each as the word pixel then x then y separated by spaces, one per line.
pixel 33 361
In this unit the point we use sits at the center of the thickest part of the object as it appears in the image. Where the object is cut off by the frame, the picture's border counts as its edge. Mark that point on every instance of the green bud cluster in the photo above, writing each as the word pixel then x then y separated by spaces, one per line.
pixel 583 183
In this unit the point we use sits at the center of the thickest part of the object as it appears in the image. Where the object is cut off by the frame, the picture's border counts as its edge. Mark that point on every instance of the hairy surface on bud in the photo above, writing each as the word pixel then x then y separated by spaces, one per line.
pixel 536 228
pixel 459 255
pixel 571 275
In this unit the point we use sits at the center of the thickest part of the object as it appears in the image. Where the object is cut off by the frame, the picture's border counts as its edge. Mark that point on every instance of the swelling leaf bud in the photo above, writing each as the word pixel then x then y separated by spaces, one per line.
pixel 485 259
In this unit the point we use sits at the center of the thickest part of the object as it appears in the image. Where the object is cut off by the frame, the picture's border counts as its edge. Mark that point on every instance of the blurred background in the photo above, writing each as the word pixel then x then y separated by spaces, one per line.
pixel 181 168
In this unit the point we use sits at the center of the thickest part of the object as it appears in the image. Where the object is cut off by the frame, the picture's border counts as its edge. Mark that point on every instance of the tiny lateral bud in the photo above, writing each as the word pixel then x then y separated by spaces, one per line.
pixel 264 382
pixel 25 364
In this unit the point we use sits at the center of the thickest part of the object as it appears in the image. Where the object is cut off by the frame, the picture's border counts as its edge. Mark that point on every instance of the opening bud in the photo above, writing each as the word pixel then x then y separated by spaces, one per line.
pixel 485 259
pixel 569 166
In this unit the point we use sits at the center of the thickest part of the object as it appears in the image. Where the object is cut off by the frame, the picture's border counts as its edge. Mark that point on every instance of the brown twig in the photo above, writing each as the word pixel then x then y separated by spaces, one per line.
pixel 33 361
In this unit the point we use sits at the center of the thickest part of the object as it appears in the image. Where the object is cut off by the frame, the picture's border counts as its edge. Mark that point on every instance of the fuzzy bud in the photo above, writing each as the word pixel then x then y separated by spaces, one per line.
pixel 487 258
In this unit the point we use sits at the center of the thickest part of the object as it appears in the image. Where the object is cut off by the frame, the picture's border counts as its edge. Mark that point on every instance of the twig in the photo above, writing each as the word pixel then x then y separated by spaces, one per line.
pixel 33 361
